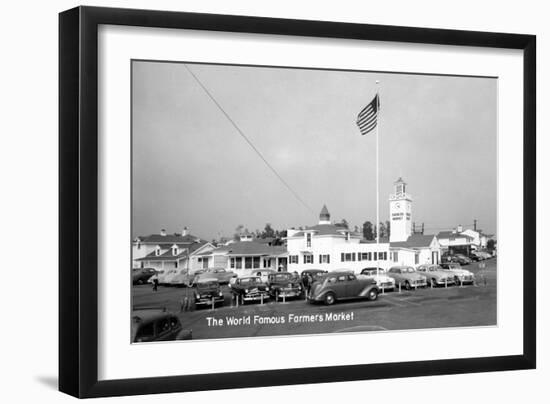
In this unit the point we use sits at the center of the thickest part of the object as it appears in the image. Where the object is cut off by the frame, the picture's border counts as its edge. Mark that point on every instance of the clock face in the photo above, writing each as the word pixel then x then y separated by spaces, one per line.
pixel 397 205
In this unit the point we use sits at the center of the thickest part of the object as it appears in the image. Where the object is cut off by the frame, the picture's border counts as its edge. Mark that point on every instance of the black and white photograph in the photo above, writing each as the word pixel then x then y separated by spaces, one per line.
pixel 277 201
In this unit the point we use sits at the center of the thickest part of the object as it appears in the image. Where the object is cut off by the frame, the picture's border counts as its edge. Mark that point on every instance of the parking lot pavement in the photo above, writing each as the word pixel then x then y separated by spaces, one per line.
pixel 453 306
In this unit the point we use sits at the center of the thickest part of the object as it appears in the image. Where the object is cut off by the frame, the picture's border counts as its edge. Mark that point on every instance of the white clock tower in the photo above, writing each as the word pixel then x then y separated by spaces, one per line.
pixel 400 213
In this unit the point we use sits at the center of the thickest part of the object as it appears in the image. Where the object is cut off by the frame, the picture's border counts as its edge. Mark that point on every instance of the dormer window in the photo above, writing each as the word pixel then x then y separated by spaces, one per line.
pixel 175 250
pixel 347 236
pixel 308 240
pixel 157 251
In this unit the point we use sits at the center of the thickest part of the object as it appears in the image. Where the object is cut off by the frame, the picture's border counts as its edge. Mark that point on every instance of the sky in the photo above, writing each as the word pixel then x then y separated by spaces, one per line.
pixel 191 167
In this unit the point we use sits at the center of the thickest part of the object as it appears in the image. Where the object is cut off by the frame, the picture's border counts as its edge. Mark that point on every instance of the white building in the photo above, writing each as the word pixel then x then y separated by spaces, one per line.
pixel 331 247
pixel 168 251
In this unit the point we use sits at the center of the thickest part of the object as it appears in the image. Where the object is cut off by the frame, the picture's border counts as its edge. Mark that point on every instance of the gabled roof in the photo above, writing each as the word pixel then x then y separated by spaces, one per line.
pixel 251 248
pixel 168 256
pixel 415 241
pixel 325 229
pixel 169 238
pixel 452 235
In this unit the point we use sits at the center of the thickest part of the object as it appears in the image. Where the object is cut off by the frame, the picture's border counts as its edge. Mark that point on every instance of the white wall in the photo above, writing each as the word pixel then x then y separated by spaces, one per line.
pixel 29 133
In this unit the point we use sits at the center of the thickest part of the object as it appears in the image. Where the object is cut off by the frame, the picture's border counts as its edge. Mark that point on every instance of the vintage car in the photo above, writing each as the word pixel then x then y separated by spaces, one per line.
pixel 142 275
pixel 336 286
pixel 435 275
pixel 169 274
pixel 249 288
pixel 310 275
pixel 383 281
pixel 407 277
pixel 186 278
pixel 206 291
pixel 284 284
pixel 263 273
pixel 220 274
pixel 460 275
pixel 154 324
pixel 462 259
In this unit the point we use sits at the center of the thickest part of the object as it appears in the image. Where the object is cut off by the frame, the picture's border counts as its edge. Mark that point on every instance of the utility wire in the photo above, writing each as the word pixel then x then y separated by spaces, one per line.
pixel 248 141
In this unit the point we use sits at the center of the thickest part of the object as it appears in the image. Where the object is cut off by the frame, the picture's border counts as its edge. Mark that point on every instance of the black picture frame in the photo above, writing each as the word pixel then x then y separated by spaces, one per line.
pixel 78 200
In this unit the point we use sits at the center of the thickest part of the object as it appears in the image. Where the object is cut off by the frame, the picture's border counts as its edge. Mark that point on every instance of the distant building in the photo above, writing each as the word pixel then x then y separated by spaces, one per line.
pixel 168 251
pixel 456 241
pixel 331 247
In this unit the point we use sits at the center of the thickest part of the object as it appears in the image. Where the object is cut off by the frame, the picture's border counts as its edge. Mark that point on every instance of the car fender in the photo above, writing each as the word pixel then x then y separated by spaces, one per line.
pixel 366 290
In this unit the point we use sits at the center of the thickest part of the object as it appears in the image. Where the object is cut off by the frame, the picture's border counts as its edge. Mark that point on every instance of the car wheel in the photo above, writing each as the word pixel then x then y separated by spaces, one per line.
pixel 407 285
pixel 373 294
pixel 330 299
pixel 457 280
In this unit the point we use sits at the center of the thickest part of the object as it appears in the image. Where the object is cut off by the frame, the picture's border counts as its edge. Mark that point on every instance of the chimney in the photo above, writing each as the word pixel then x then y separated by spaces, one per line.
pixel 185 231
pixel 163 232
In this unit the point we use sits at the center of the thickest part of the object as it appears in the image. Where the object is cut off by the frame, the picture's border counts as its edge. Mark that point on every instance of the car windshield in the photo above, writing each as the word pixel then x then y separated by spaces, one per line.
pixel 408 269
pixel 206 285
pixel 249 281
pixel 281 277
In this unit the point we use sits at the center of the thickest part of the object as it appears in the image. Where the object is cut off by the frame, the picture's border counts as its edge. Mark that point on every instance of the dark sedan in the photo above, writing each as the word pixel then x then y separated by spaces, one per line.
pixel 149 325
pixel 250 288
pixel 342 286
pixel 142 275
pixel 283 285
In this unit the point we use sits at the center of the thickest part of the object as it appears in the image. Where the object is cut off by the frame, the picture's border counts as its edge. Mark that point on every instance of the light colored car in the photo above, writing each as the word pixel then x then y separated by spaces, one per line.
pixel 383 281
pixel 460 275
pixel 407 277
pixel 263 273
pixel 435 275
pixel 186 278
pixel 166 277
pixel 220 274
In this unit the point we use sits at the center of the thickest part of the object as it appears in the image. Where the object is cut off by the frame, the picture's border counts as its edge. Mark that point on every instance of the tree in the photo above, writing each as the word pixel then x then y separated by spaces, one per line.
pixel 238 232
pixel 491 245
pixel 388 228
pixel 268 231
pixel 382 230
pixel 368 233
pixel 343 223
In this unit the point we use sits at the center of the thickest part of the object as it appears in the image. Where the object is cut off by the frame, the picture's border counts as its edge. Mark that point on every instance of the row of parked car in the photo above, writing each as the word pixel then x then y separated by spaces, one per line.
pixel 322 286
pixel 463 259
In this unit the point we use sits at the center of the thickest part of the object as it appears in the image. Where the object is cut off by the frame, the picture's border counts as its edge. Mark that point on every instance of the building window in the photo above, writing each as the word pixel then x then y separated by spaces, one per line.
pixel 247 262
pixel 267 262
pixel 256 262
pixel 395 256
pixel 384 255
pixel 416 259
pixel 347 237
pixel 342 257
pixel 348 257
pixel 238 263
pixel 174 250
pixel 363 256
pixel 308 240
pixel 157 251
pixel 375 257
pixel 324 259
pixel 176 264
pixel 293 259
pixel 308 258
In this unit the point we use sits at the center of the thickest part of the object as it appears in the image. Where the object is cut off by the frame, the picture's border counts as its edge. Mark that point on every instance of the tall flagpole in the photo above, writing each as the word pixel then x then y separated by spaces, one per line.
pixel 377 183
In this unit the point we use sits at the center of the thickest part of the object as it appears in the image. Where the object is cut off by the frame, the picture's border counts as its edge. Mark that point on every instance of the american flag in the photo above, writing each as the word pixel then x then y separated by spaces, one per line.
pixel 368 117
